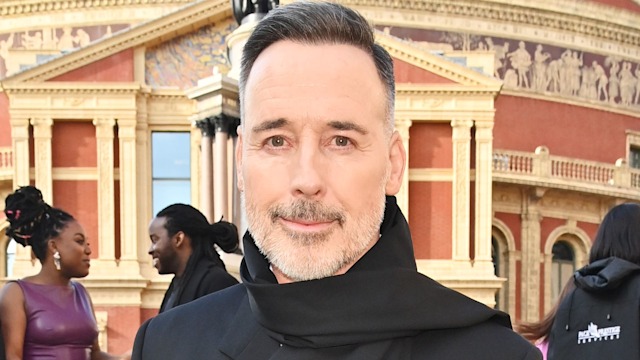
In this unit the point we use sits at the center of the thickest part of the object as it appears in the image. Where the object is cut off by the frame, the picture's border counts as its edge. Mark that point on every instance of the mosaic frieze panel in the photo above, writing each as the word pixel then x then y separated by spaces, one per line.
pixel 22 50
pixel 543 68
pixel 184 60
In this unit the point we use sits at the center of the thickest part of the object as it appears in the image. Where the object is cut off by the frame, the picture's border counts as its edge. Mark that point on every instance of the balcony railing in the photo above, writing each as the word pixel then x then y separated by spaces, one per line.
pixel 6 163
pixel 541 168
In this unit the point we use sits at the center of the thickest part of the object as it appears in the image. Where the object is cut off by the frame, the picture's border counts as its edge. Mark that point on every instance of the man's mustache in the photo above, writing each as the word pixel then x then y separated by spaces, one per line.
pixel 307 210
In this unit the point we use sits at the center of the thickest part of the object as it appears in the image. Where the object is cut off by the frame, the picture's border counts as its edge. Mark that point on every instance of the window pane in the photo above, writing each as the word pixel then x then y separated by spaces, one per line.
pixel 167 192
pixel 170 155
pixel 634 155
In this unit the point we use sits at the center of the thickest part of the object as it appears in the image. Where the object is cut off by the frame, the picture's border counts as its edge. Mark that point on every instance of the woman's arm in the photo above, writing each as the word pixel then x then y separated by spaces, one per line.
pixel 96 353
pixel 14 320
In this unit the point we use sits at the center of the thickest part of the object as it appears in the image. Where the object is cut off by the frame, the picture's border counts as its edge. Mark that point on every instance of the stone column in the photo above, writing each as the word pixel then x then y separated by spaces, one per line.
pixel 206 168
pixel 222 126
pixel 43 157
pixel 106 188
pixel 483 194
pixel 128 195
pixel 530 289
pixel 402 126
pixel 461 188
pixel 23 264
pixel 20 148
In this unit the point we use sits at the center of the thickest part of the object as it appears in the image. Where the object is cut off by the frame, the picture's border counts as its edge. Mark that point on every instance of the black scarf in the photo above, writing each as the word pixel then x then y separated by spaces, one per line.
pixel 381 297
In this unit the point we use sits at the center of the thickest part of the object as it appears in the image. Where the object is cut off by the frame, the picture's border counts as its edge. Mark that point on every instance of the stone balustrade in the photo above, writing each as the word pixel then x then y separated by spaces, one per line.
pixel 6 163
pixel 542 169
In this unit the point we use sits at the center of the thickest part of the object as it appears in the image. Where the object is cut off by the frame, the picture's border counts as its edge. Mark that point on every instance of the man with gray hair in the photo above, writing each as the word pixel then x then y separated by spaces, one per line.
pixel 329 270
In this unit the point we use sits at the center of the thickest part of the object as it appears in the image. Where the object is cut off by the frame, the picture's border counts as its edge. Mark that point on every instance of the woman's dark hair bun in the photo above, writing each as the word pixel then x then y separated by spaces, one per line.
pixel 24 209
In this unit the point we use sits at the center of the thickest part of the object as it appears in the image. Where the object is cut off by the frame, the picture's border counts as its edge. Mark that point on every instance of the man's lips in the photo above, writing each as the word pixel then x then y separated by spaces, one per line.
pixel 307 225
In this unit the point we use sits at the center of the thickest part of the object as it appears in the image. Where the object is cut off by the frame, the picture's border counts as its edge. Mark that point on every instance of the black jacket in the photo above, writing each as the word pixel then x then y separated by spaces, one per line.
pixel 207 276
pixel 382 308
pixel 600 319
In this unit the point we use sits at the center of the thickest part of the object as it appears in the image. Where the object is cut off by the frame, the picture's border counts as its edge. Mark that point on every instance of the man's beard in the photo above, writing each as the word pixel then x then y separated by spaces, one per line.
pixel 304 256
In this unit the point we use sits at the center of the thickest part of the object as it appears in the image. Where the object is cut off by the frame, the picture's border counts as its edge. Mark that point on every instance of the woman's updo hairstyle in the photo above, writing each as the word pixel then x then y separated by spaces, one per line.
pixel 32 221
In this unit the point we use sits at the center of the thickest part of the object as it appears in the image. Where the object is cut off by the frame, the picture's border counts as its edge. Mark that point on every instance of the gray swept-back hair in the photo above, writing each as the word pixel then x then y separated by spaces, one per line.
pixel 315 23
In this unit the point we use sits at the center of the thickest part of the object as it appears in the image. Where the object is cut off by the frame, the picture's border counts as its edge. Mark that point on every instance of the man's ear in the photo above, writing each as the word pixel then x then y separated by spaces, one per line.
pixel 179 239
pixel 397 162
pixel 239 160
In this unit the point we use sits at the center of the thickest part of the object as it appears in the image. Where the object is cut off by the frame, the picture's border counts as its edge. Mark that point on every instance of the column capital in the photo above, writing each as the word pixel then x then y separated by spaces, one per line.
pixel 403 123
pixel 205 126
pixel 225 123
pixel 104 122
pixel 41 121
pixel 461 123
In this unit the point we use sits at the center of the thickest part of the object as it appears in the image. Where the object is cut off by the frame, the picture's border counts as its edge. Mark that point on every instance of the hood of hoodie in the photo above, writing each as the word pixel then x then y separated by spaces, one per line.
pixel 605 274
pixel 381 297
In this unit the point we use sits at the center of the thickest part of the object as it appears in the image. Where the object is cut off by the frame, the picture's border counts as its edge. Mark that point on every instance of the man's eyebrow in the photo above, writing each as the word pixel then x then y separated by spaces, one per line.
pixel 348 125
pixel 269 125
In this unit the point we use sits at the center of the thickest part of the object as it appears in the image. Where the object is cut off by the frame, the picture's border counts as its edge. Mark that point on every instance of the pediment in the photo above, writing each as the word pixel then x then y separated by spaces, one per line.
pixel 184 21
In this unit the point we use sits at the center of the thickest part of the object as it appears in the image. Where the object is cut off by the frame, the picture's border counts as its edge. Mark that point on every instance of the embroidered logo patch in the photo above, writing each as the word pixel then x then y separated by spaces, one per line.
pixel 594 334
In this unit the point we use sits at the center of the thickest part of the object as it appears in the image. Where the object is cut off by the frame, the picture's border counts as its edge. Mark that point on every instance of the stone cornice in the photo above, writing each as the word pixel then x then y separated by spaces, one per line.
pixel 185 20
pixel 30 7
pixel 567 16
pixel 71 88
pixel 418 90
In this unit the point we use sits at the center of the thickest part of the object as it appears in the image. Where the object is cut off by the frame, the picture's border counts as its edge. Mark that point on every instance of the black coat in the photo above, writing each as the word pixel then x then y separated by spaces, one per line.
pixel 208 276
pixel 381 309
pixel 600 319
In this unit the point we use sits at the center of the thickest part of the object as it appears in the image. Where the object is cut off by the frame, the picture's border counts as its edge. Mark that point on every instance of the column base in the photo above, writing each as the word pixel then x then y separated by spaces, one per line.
pixel 476 281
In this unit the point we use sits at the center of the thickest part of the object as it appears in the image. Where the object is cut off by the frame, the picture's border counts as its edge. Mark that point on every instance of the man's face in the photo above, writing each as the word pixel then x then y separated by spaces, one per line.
pixel 314 158
pixel 162 249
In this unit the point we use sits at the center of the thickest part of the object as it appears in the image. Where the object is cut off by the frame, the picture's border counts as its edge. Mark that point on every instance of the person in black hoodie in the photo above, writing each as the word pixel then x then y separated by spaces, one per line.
pixel 600 318
pixel 182 243
pixel 329 270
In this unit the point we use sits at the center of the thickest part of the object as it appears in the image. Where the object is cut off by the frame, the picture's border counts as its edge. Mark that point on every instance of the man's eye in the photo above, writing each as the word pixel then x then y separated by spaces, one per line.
pixel 342 141
pixel 276 141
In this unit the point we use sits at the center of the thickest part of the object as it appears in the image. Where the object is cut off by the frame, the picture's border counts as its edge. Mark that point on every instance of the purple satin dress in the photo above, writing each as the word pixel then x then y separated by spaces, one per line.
pixel 60 322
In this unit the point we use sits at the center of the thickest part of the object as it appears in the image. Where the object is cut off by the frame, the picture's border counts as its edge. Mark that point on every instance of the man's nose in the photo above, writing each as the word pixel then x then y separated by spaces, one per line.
pixel 308 171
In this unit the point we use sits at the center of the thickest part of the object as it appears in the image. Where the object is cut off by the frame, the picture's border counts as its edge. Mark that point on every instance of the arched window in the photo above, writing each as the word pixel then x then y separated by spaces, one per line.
pixel 562 267
pixel 496 258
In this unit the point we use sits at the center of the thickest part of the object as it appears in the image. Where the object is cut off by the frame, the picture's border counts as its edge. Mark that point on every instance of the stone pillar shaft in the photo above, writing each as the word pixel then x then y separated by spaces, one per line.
pixel 206 168
pixel 43 159
pixel 128 193
pixel 530 293
pixel 483 190
pixel 461 189
pixel 106 187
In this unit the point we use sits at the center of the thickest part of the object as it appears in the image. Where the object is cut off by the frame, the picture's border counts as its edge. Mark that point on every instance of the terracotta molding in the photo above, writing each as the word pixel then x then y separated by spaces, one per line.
pixel 29 7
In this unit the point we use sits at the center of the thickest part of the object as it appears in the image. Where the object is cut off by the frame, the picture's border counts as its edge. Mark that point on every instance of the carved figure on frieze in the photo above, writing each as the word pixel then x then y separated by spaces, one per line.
pixel 588 84
pixel 627 84
pixel 540 65
pixel 614 80
pixel 66 40
pixel 5 45
pixel 575 63
pixel 637 72
pixel 82 38
pixel 500 55
pixel 32 41
pixel 521 62
pixel 602 81
pixel 243 9
pixel 553 75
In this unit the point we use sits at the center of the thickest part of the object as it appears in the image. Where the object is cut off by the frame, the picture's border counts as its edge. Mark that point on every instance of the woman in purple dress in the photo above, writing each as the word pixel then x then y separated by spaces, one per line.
pixel 48 316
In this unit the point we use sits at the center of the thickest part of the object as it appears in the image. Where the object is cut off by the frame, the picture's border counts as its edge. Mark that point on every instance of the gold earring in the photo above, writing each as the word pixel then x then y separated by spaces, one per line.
pixel 56 259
